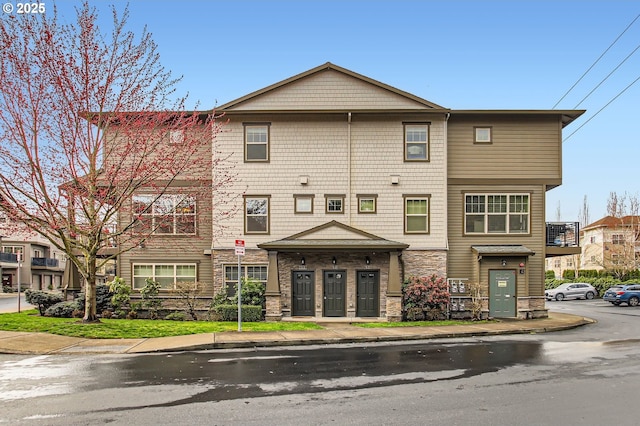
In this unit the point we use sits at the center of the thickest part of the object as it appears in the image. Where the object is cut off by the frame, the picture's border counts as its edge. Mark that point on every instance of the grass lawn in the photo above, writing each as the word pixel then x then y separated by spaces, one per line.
pixel 31 321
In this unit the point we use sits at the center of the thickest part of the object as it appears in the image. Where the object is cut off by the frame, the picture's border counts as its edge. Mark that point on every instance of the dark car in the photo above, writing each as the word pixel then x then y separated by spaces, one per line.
pixel 629 294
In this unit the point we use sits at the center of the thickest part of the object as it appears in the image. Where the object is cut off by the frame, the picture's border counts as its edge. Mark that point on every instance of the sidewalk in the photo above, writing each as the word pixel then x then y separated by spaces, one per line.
pixel 335 332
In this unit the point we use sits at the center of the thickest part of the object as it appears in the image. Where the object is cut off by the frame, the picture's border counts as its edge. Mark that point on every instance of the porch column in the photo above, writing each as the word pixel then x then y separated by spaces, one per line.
pixel 272 290
pixel 394 289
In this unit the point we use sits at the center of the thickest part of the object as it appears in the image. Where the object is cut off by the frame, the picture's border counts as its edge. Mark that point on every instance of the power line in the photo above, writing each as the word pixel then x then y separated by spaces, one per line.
pixel 597 60
pixel 608 75
pixel 600 110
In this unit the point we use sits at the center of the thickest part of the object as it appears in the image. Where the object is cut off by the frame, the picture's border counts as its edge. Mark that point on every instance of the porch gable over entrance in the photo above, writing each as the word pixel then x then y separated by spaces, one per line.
pixel 333 236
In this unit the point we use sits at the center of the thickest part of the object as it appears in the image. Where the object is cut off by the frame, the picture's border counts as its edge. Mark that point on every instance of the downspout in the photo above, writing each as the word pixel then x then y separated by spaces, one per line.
pixel 349 195
pixel 446 180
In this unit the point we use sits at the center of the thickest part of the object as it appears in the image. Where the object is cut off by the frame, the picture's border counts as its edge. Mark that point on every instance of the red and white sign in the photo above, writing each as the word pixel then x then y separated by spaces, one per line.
pixel 239 247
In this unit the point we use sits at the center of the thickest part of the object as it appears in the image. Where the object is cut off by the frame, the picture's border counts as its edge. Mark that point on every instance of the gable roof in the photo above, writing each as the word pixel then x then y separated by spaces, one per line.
pixel 329 88
pixel 614 222
pixel 331 236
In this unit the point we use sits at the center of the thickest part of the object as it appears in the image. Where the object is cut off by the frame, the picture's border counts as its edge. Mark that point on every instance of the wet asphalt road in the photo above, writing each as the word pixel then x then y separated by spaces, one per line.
pixel 532 379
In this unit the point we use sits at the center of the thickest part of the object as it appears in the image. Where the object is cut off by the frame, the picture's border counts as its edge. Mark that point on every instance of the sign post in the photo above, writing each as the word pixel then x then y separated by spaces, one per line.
pixel 19 253
pixel 239 253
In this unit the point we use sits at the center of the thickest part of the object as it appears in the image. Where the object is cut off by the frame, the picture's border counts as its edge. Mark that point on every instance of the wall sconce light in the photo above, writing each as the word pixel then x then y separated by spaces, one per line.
pixel 302 261
pixel 504 262
pixel 367 260
pixel 334 260
pixel 142 245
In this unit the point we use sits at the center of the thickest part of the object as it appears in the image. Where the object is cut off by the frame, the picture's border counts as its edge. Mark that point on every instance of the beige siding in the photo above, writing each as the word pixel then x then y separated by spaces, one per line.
pixel 319 149
pixel 328 90
pixel 526 147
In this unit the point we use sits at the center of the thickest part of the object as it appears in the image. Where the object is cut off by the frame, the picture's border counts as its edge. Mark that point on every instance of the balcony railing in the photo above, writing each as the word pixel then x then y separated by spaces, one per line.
pixel 45 261
pixel 563 234
pixel 8 257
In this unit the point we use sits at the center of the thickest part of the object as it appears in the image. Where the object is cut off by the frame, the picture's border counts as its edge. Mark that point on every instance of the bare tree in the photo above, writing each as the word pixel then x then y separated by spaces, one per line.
pixel 584 213
pixel 87 120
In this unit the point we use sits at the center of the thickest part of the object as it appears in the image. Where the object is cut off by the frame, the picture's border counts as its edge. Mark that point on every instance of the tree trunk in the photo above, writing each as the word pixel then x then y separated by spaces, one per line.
pixel 90 308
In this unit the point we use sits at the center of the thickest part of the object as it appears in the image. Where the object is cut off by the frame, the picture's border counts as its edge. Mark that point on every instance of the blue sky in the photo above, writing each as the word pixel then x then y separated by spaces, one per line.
pixel 458 54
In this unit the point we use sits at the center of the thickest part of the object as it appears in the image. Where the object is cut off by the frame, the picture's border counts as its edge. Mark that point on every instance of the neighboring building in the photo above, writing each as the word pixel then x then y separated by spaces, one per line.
pixel 350 186
pixel 612 244
pixel 42 266
pixel 560 264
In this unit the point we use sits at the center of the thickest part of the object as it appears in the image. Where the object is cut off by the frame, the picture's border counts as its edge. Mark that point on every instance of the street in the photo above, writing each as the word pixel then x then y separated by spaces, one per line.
pixel 547 378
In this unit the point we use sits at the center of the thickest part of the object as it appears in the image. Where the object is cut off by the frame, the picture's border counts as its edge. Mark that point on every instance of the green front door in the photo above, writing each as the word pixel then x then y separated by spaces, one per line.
pixel 502 293
pixel 334 293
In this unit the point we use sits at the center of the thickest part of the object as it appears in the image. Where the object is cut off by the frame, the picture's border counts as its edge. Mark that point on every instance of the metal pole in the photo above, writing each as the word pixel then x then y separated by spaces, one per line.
pixel 19 267
pixel 239 295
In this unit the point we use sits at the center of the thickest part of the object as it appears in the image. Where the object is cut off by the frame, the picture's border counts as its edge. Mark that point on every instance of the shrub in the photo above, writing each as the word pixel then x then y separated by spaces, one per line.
pixel 42 299
pixel 176 316
pixel 569 274
pixel 7 289
pixel 250 313
pixel 549 275
pixel 103 299
pixel 62 310
pixel 150 299
pixel 425 298
pixel 121 293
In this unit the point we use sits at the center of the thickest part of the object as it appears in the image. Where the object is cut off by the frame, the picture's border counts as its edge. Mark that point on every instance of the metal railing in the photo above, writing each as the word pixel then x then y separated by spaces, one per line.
pixel 563 234
pixel 8 257
pixel 45 261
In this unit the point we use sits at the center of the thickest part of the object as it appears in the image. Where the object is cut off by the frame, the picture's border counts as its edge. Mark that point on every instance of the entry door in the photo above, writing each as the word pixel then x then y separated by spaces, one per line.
pixel 303 288
pixel 368 294
pixel 334 293
pixel 502 293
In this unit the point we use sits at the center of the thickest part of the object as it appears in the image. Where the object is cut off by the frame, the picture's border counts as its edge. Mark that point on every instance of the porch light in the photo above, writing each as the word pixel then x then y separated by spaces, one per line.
pixel 302 261
pixel 334 260
pixel 367 260
pixel 504 262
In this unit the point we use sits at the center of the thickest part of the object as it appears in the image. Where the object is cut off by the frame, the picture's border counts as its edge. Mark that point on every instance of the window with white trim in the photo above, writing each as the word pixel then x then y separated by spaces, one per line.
pixel 256 214
pixel 482 134
pixel 168 275
pixel 617 239
pixel 303 203
pixel 416 214
pixel 256 142
pixel 334 203
pixel 496 213
pixel 168 214
pixel 416 142
pixel 367 203
pixel 248 272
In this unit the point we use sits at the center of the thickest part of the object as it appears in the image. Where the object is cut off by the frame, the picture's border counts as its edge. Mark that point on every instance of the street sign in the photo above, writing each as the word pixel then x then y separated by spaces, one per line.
pixel 239 247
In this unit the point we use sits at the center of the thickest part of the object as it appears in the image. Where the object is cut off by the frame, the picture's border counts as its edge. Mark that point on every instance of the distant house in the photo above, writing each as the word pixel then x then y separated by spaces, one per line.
pixel 612 244
pixel 350 186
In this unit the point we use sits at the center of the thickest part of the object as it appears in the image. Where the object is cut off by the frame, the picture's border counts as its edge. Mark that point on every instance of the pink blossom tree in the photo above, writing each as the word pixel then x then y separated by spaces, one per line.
pixel 87 120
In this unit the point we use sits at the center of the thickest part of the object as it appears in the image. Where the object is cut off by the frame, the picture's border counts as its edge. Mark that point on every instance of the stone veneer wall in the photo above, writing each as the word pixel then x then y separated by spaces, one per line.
pixel 424 263
pixel 221 258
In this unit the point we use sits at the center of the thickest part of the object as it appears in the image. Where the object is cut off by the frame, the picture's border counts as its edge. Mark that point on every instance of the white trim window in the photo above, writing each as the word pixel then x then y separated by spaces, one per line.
pixel 496 213
pixel 416 214
pixel 256 142
pixel 256 214
pixel 168 214
pixel 416 142
pixel 168 275
pixel 249 272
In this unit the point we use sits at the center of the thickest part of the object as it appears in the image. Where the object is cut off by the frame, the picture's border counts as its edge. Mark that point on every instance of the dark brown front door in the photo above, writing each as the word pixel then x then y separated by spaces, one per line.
pixel 303 289
pixel 334 293
pixel 368 293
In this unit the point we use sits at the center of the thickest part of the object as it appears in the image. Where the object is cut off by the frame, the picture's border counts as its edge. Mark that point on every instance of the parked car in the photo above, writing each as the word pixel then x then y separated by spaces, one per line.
pixel 571 291
pixel 629 294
